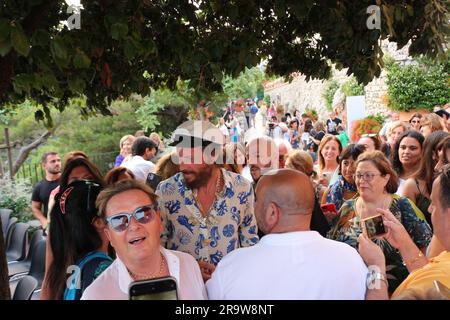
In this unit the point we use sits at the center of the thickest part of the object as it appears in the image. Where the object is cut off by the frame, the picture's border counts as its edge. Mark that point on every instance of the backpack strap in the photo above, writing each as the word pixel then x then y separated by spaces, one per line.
pixel 71 290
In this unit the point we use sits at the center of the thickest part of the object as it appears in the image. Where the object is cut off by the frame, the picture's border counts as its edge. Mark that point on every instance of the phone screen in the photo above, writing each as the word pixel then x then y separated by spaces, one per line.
pixel 154 289
pixel 374 226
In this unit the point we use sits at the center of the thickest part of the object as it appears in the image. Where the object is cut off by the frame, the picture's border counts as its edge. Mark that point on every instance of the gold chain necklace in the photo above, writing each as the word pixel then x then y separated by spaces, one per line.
pixel 217 191
pixel 162 265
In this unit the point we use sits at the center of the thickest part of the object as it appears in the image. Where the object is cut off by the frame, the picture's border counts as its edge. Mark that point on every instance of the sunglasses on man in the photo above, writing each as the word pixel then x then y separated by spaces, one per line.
pixel 119 222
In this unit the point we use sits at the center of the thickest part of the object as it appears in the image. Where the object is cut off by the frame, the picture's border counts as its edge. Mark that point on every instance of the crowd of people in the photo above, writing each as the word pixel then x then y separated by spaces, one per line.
pixel 279 215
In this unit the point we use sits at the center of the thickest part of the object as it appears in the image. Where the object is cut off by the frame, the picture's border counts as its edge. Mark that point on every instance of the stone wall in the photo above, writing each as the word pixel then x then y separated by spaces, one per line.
pixel 300 94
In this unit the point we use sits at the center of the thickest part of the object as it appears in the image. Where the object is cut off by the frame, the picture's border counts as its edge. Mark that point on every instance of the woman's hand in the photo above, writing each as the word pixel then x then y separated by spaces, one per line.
pixel 370 252
pixel 395 234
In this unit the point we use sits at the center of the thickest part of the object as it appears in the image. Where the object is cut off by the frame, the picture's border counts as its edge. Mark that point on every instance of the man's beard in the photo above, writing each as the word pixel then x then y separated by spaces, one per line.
pixel 54 171
pixel 201 178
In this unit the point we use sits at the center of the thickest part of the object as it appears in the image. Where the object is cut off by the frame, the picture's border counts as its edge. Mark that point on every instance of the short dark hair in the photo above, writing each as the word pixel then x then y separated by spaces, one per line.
pixel 141 144
pixel 45 155
pixel 353 151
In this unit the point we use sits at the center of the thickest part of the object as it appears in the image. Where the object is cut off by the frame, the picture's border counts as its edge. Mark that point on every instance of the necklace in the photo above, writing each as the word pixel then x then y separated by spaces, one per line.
pixel 218 189
pixel 141 276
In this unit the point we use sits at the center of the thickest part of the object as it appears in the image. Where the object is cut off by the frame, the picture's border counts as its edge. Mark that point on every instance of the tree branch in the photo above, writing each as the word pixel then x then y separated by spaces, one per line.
pixel 25 151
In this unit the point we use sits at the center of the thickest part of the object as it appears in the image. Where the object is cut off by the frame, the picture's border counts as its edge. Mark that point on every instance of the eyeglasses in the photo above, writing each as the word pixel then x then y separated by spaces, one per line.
pixel 415 121
pixel 120 222
pixel 365 176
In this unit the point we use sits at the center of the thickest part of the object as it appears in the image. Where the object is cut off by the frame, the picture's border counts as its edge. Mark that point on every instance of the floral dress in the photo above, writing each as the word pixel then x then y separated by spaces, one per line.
pixel 347 228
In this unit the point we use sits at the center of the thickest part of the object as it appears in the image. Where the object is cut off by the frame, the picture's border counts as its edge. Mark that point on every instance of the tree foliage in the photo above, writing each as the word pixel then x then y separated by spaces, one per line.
pixel 328 93
pixel 74 129
pixel 126 47
pixel 163 110
pixel 352 88
pixel 421 85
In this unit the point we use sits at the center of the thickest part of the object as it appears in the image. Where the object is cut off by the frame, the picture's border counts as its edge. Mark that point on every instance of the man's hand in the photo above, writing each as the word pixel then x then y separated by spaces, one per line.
pixel 396 234
pixel 370 252
pixel 44 223
pixel 207 269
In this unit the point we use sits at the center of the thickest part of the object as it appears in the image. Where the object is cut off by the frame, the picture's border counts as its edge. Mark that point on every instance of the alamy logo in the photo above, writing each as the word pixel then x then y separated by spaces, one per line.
pixel 74 280
pixel 74 21
pixel 374 20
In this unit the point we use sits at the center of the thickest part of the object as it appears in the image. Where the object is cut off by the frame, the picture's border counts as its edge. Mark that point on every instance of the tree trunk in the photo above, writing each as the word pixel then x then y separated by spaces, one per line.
pixel 4 281
pixel 25 150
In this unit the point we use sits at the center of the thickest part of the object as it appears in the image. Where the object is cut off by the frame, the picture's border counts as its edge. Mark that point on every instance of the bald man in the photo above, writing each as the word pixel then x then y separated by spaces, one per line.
pixel 262 156
pixel 290 262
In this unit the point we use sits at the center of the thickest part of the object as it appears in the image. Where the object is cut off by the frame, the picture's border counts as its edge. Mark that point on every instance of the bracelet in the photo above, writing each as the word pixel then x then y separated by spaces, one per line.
pixel 410 262
pixel 373 278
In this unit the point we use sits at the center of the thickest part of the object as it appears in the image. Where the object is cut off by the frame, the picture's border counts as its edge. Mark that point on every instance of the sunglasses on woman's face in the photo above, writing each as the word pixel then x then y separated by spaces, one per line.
pixel 119 222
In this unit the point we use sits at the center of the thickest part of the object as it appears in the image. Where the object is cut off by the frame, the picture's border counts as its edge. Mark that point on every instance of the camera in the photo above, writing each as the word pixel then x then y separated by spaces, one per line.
pixel 271 125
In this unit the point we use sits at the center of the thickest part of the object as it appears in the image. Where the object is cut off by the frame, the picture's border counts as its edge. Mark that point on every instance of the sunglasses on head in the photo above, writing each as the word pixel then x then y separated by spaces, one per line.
pixel 369 135
pixel 119 222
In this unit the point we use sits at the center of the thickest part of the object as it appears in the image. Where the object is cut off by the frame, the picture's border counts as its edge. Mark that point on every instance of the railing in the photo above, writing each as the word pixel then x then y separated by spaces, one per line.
pixel 35 172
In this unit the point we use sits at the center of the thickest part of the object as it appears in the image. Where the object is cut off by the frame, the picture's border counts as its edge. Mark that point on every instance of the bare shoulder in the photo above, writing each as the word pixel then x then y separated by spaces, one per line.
pixel 410 189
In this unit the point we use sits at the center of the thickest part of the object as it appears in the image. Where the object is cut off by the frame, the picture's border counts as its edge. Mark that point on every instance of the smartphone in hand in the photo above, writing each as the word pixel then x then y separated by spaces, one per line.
pixel 374 226
pixel 154 289
pixel 153 180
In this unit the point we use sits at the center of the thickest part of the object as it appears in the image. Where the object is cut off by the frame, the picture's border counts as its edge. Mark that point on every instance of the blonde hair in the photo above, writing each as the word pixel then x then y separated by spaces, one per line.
pixel 395 125
pixel 166 167
pixel 433 121
pixel 125 138
pixel 301 161
pixel 155 137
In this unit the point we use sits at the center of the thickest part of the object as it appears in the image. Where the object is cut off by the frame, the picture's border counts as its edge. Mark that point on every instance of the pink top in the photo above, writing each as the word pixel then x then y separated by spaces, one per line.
pixel 113 283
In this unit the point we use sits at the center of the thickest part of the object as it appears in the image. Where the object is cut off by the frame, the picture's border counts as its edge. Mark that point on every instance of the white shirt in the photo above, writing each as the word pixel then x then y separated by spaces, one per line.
pixel 246 173
pixel 294 265
pixel 224 129
pixel 401 185
pixel 140 167
pixel 113 283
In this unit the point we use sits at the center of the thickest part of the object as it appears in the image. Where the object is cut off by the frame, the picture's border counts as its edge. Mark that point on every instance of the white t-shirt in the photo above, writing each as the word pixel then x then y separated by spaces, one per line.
pixel 140 167
pixel 113 283
pixel 224 129
pixel 401 185
pixel 294 265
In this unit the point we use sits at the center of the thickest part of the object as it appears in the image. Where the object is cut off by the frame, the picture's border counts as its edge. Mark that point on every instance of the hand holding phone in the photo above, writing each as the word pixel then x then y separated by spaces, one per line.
pixel 154 289
pixel 153 180
pixel 374 226
pixel 329 211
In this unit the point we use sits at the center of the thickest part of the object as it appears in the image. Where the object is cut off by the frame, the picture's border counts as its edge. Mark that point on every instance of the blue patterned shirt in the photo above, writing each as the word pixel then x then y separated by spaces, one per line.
pixel 230 223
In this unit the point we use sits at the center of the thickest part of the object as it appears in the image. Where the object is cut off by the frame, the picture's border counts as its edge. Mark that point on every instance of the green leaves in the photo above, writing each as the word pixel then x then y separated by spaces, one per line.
pixel 417 86
pixel 5 47
pixel 81 60
pixel 59 52
pixel 20 41
pixel 76 85
pixel 119 31
pixel 5 42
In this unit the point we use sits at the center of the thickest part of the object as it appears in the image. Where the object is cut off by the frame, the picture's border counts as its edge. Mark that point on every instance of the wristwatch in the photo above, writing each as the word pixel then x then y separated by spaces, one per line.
pixel 373 279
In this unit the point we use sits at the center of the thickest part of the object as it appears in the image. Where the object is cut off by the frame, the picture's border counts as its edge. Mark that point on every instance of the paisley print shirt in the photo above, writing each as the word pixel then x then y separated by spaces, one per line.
pixel 230 222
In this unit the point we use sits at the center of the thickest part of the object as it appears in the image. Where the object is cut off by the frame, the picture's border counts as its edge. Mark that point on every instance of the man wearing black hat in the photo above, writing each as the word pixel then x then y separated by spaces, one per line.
pixel 206 210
